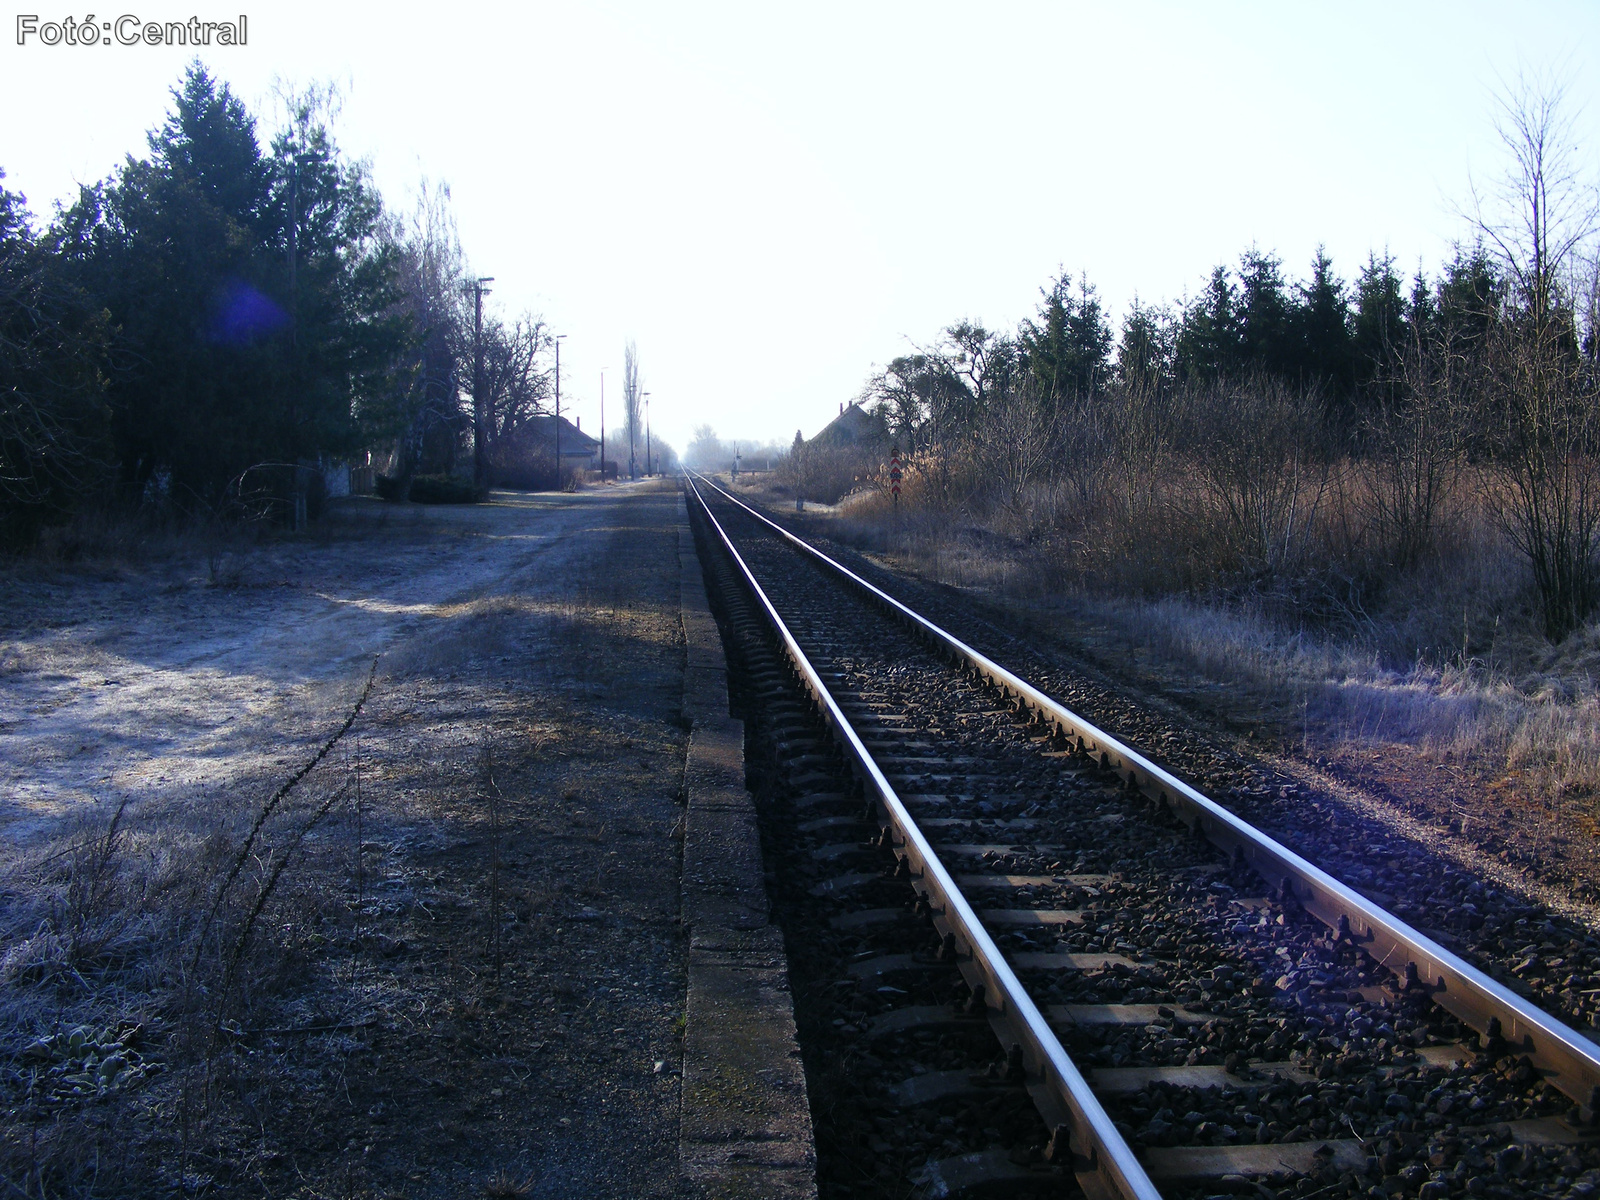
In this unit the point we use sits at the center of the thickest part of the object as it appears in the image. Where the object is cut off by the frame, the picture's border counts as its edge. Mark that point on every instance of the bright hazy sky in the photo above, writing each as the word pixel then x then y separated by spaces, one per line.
pixel 770 199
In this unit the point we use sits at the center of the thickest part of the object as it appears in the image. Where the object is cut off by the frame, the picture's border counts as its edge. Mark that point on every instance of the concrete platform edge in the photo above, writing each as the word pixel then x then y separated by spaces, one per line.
pixel 745 1128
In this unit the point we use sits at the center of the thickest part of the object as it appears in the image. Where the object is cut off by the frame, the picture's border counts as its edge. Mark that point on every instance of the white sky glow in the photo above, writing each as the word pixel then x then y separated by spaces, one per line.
pixel 772 199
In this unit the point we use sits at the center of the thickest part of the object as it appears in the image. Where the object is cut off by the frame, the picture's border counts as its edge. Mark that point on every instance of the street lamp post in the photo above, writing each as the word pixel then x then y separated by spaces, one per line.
pixel 480 432
pixel 633 426
pixel 648 468
pixel 559 338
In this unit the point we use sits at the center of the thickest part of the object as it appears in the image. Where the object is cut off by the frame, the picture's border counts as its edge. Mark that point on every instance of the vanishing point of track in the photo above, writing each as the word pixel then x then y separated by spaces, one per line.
pixel 1190 1006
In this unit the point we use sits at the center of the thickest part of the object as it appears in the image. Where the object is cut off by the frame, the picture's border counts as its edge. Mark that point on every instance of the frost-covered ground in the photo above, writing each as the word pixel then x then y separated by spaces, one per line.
pixel 154 685
pixel 468 977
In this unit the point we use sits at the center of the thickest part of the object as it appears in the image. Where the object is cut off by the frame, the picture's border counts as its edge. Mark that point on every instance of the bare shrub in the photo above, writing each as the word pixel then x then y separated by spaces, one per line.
pixel 828 473
pixel 133 964
pixel 1548 486
pixel 1256 478
pixel 1013 448
pixel 1413 456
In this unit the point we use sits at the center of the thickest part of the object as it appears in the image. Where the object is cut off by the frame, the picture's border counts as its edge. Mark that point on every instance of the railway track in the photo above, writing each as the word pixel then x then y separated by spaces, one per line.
pixel 1027 958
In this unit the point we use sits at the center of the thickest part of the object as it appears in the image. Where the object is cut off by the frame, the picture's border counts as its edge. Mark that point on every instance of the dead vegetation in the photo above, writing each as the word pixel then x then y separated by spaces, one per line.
pixel 138 967
pixel 1452 663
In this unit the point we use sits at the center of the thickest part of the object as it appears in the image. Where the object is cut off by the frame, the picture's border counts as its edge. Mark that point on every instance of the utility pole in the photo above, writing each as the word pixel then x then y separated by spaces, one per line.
pixel 559 484
pixel 294 323
pixel 633 419
pixel 602 426
pixel 648 470
pixel 480 446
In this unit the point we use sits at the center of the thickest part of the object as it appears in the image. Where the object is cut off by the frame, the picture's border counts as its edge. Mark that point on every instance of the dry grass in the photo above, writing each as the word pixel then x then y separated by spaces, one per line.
pixel 1512 717
pixel 136 957
pixel 1446 658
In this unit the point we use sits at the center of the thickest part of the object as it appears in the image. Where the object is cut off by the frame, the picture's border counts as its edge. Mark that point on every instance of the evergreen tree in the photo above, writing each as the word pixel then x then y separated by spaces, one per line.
pixel 1324 319
pixel 1266 333
pixel 1421 310
pixel 1379 327
pixel 1209 343
pixel 170 247
pixel 337 271
pixel 52 361
pixel 1089 341
pixel 1469 297
pixel 1145 352
pixel 209 140
pixel 251 295
pixel 1067 351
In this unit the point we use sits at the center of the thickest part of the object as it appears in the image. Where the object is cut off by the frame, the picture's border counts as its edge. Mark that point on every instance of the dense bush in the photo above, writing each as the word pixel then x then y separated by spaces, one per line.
pixel 444 489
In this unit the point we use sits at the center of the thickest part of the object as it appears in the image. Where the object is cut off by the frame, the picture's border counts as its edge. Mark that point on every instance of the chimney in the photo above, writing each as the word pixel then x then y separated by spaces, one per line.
pixel 580 425
pixel 841 410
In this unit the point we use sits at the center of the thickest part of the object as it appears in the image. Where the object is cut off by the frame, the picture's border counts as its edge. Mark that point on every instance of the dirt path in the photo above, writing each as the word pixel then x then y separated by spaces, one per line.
pixel 156 684
pixel 486 997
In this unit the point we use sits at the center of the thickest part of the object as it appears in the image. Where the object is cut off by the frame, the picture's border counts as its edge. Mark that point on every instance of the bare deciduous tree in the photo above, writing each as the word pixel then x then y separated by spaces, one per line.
pixel 515 387
pixel 706 450
pixel 427 414
pixel 1540 219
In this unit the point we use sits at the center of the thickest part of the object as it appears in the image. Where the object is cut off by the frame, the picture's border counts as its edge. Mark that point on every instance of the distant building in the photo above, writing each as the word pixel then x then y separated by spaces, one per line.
pixel 525 458
pixel 854 428
pixel 843 457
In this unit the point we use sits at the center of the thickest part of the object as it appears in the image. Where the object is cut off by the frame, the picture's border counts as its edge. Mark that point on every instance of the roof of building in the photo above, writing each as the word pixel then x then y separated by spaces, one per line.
pixel 574 442
pixel 853 426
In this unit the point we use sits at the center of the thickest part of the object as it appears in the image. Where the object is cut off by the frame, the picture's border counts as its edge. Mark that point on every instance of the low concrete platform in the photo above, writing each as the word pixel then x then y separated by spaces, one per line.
pixel 746 1125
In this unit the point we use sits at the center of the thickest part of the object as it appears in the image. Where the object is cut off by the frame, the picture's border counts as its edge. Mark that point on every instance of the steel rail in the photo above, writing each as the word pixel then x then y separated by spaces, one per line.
pixel 1509 1023
pixel 1105 1165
